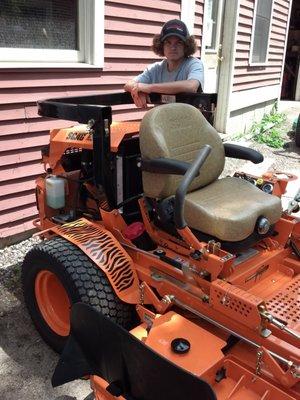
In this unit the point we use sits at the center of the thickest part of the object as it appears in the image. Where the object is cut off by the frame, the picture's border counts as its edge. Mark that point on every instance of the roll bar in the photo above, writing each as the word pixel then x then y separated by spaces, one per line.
pixel 85 108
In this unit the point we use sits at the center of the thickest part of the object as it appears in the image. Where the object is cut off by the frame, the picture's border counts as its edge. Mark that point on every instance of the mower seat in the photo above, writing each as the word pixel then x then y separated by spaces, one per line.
pixel 227 209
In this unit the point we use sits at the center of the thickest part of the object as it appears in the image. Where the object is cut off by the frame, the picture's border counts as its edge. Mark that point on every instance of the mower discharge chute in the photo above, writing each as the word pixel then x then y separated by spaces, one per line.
pixel 203 271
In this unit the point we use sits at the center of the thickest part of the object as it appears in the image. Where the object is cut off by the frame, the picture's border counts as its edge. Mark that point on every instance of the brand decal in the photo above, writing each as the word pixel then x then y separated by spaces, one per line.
pixel 178 27
pixel 78 136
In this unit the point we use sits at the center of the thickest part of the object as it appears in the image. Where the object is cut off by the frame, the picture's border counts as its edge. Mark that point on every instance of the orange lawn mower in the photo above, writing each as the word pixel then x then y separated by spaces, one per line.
pixel 157 279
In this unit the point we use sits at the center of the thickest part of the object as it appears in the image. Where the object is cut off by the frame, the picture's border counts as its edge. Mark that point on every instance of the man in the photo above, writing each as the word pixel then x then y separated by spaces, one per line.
pixel 178 72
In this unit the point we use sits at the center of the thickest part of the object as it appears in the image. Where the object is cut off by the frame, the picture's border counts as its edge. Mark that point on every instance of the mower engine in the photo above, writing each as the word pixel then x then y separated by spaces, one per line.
pixel 69 189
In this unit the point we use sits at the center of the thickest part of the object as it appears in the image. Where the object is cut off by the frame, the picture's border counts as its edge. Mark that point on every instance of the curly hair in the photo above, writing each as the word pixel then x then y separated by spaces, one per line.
pixel 190 46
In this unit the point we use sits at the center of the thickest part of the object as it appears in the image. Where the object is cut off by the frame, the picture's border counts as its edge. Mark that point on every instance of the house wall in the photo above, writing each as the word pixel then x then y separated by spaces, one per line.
pixel 198 26
pixel 129 29
pixel 256 88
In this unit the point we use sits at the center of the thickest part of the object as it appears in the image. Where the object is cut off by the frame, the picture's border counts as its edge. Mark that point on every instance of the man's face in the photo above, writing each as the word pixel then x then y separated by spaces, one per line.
pixel 173 48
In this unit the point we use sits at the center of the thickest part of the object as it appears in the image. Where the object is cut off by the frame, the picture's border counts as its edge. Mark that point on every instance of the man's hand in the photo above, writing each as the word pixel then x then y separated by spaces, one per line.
pixel 138 95
pixel 140 99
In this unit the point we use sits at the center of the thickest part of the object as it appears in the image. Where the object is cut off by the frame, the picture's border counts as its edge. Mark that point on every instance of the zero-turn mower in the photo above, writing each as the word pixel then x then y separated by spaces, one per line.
pixel 187 285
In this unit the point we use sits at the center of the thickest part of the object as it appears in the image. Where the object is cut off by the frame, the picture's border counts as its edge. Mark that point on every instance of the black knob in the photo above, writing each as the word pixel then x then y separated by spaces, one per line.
pixel 180 345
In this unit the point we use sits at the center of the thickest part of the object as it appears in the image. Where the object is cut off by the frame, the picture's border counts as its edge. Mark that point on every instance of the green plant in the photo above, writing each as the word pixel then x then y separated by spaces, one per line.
pixel 268 130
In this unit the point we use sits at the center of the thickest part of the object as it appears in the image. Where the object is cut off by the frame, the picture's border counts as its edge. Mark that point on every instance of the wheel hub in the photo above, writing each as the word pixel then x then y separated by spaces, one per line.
pixel 53 302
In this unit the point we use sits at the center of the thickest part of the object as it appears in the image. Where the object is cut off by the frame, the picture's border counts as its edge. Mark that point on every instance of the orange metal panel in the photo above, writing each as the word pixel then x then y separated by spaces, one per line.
pixel 119 130
pixel 236 303
pixel 203 343
pixel 106 252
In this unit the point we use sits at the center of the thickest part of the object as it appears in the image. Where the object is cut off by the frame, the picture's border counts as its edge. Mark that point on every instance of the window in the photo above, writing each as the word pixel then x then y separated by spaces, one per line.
pixel 51 31
pixel 261 31
pixel 211 28
pixel 212 21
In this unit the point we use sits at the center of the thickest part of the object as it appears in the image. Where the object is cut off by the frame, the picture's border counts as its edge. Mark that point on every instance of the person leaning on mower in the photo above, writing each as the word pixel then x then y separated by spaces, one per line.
pixel 178 72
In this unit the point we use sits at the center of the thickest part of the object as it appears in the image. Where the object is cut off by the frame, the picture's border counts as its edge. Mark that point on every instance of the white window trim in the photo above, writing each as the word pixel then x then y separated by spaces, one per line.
pixel 204 28
pixel 230 29
pixel 91 44
pixel 257 64
pixel 188 8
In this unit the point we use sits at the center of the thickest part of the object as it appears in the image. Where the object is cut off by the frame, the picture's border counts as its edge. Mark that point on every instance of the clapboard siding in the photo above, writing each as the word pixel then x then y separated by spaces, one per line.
pixel 14 157
pixel 245 75
pixel 17 187
pixel 199 11
pixel 27 197
pixel 129 28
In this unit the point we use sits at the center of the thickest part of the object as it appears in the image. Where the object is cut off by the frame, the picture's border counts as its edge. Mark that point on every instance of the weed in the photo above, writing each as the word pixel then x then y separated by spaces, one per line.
pixel 268 130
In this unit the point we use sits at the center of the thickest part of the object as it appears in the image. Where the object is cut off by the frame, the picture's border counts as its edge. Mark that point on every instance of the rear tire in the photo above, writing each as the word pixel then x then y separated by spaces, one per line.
pixel 57 274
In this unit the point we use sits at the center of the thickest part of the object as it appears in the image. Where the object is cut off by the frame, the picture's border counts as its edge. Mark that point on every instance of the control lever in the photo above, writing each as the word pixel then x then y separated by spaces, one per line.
pixel 293 205
pixel 269 317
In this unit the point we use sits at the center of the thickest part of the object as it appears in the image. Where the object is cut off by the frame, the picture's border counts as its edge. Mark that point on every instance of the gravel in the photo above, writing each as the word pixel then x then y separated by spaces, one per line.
pixel 13 255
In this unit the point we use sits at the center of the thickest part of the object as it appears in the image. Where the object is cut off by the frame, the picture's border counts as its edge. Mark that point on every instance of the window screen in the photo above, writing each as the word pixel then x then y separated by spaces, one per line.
pixel 260 38
pixel 39 24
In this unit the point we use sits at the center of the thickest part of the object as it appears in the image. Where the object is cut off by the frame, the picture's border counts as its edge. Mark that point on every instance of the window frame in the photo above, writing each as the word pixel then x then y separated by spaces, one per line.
pixel 214 49
pixel 251 62
pixel 91 45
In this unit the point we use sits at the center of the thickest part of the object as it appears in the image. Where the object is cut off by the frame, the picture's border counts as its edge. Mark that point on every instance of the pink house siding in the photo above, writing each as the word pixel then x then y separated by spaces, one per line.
pixel 249 77
pixel 199 11
pixel 128 32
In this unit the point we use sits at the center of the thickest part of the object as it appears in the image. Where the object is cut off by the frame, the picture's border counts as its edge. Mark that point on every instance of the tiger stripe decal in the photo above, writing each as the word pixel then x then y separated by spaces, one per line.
pixel 104 250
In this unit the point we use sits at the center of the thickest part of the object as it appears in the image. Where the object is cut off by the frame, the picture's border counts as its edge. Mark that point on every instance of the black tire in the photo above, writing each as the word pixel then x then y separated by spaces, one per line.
pixel 297 133
pixel 81 279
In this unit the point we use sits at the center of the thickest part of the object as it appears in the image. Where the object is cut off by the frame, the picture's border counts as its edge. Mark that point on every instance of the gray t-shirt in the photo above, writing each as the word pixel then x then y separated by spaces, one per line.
pixel 190 68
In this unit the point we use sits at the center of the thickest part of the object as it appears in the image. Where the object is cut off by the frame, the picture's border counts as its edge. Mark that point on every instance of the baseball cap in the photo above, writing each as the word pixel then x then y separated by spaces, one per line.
pixel 174 27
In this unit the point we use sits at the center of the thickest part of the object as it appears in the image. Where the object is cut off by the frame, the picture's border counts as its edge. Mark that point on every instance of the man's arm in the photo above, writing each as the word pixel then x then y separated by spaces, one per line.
pixel 190 86
pixel 144 77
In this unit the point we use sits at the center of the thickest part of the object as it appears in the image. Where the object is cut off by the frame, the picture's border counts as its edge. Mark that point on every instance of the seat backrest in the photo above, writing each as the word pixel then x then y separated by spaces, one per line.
pixel 178 131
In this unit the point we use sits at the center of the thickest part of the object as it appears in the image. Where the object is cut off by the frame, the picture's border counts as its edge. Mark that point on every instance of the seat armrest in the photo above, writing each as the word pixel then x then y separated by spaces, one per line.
pixel 181 191
pixel 242 153
pixel 165 166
